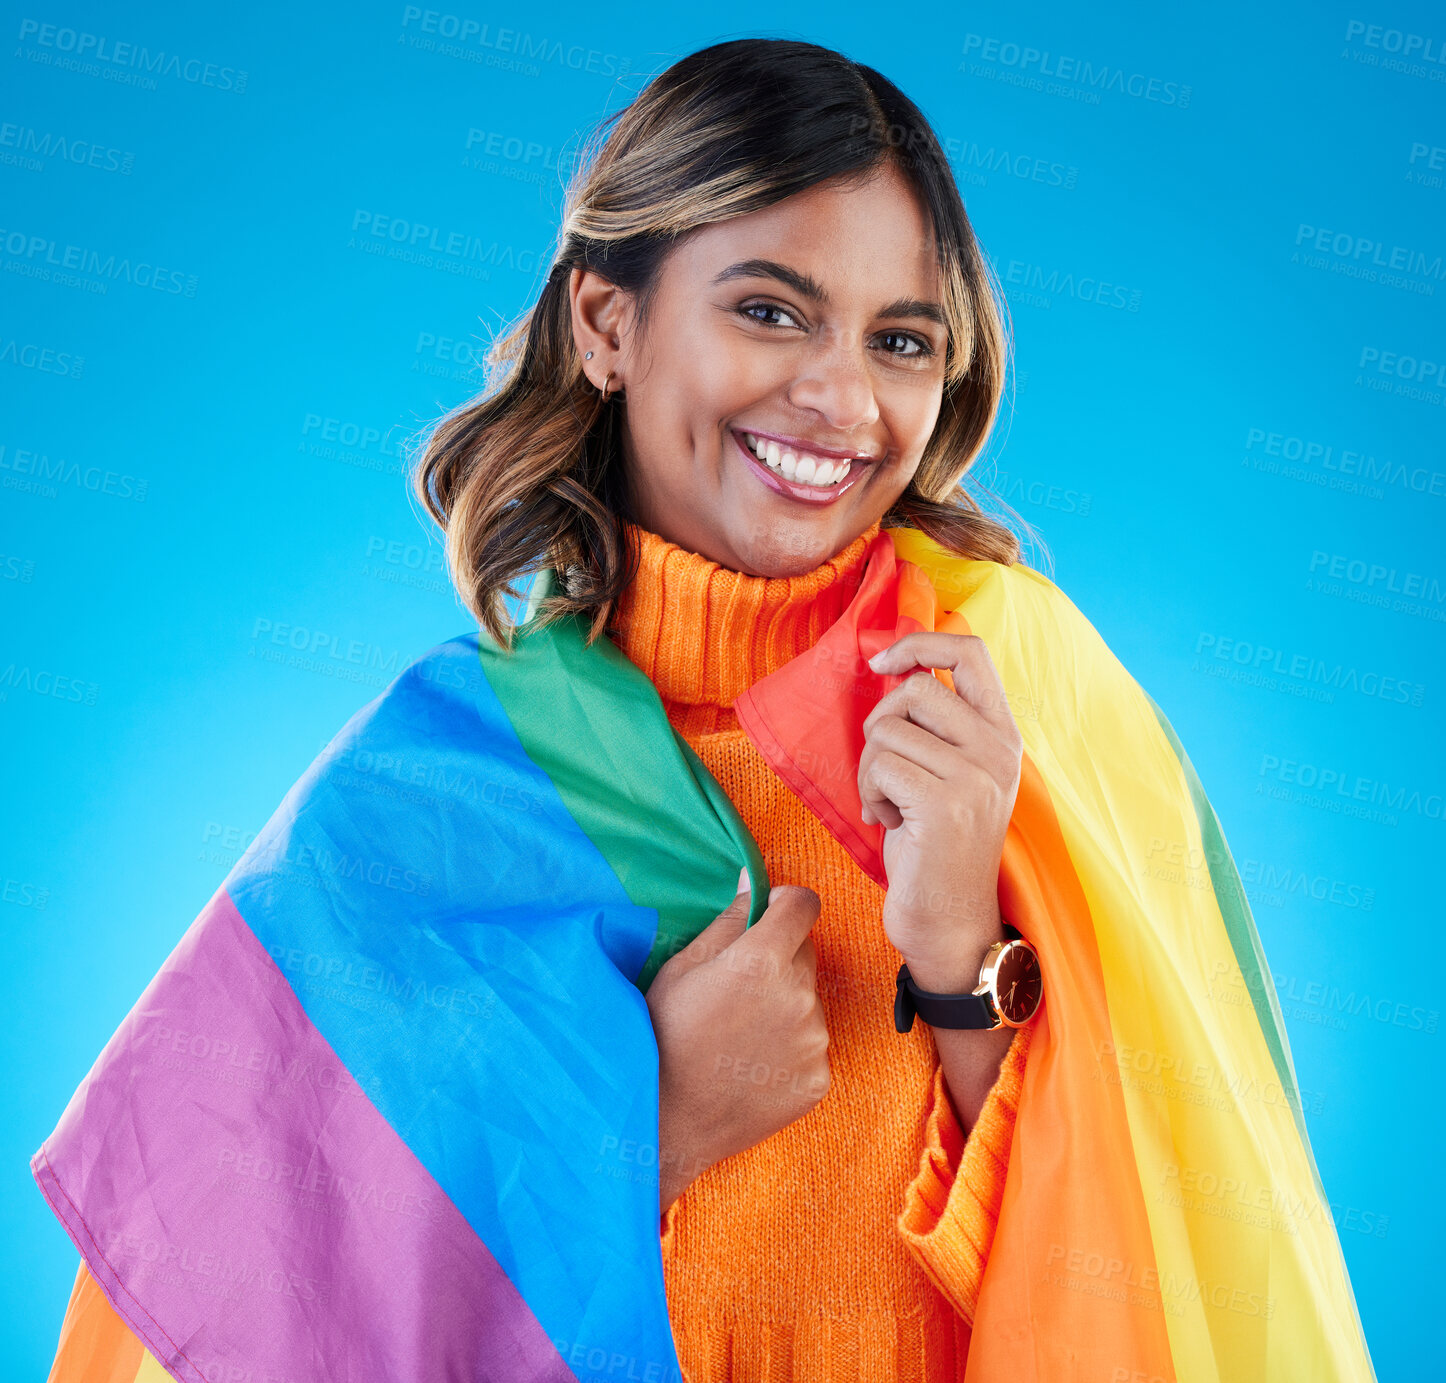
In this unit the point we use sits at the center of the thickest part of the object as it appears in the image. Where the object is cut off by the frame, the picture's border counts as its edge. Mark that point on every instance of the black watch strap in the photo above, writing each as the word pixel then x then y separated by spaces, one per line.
pixel 943 1010
pixel 939 1010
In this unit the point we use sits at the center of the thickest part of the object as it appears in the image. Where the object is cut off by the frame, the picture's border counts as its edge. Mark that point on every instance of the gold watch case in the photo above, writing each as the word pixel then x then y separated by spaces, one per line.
pixel 1010 978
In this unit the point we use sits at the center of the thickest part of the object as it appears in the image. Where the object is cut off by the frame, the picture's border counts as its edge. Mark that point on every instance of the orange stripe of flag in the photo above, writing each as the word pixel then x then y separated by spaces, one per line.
pixel 96 1346
pixel 1034 1306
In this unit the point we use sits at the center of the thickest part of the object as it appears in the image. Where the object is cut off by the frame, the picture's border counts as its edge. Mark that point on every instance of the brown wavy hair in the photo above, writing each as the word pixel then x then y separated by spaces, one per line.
pixel 530 473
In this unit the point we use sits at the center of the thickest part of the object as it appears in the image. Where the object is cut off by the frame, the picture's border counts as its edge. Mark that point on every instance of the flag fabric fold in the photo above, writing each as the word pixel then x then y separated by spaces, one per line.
pixel 389 1109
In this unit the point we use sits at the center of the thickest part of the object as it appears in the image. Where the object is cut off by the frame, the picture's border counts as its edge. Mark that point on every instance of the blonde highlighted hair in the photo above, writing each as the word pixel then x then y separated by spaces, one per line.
pixel 530 473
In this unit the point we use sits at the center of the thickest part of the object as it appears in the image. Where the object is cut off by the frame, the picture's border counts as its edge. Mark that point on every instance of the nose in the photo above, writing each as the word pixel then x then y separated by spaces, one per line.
pixel 834 382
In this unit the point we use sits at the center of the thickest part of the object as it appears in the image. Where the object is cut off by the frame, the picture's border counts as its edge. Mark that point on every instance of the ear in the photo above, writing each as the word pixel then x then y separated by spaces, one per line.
pixel 601 315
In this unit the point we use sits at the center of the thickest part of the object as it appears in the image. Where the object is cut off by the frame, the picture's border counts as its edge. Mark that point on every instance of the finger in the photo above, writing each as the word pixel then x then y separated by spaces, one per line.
pixel 931 749
pixel 806 957
pixel 939 749
pixel 720 933
pixel 964 656
pixel 889 783
pixel 924 702
pixel 791 912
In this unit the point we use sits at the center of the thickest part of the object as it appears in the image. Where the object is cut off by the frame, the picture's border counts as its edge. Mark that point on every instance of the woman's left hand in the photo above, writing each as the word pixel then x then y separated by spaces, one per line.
pixel 940 772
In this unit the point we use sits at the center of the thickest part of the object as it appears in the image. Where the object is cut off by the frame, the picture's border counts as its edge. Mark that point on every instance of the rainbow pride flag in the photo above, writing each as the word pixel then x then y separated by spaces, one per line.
pixel 389 1109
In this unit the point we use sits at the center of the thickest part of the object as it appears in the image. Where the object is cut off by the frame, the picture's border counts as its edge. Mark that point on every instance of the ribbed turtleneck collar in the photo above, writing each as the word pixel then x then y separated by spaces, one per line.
pixel 704 633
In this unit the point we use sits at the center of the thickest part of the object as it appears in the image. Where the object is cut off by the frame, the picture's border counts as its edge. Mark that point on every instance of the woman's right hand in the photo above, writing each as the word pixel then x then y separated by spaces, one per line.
pixel 742 1044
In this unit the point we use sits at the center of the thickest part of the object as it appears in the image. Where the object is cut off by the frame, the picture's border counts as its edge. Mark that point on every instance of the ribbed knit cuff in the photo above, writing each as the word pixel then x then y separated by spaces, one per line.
pixel 952 1206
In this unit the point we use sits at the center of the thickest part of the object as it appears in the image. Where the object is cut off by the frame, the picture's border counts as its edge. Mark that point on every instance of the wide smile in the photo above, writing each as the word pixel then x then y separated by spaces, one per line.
pixel 795 489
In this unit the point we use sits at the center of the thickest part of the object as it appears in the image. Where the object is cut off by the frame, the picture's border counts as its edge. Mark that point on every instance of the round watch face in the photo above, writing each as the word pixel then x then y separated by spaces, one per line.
pixel 1018 984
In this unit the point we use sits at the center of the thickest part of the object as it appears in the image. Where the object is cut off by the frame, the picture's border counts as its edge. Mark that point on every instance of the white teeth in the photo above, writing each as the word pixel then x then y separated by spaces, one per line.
pixel 805 470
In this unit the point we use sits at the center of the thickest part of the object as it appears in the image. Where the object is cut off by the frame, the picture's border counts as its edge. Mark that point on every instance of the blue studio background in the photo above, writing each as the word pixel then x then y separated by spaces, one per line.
pixel 1222 246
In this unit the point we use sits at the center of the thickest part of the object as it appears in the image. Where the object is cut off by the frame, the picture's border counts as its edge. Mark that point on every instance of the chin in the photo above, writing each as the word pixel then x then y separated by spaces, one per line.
pixel 776 549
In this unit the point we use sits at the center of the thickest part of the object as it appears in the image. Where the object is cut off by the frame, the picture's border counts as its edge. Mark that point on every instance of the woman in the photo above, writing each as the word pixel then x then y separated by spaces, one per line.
pixel 733 427
pixel 714 341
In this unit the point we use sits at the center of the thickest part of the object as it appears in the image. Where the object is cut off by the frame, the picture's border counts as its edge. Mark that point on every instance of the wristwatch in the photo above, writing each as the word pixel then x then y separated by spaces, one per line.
pixel 1009 992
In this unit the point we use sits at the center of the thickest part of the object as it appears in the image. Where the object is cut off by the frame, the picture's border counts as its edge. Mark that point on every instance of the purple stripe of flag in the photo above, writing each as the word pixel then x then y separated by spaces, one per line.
pixel 248 1210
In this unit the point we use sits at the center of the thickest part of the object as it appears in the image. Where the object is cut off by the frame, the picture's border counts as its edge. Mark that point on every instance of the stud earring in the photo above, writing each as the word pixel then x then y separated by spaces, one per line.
pixel 588 356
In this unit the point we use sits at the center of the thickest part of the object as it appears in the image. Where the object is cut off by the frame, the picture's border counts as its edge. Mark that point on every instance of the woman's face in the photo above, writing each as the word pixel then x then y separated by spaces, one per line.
pixel 815 323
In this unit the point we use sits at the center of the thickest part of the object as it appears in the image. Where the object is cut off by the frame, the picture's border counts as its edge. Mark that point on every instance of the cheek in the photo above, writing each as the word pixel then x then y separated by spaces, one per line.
pixel 695 382
pixel 733 365
pixel 910 414
pixel 911 408
pixel 727 376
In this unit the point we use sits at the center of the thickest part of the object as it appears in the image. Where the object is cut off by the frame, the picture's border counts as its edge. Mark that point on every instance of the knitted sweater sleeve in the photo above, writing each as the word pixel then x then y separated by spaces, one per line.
pixel 952 1205
pixel 665 1227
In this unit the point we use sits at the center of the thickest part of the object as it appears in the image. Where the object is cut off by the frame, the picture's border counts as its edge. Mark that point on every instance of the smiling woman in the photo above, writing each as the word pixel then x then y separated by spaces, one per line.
pixel 735 261
pixel 923 1094
pixel 806 358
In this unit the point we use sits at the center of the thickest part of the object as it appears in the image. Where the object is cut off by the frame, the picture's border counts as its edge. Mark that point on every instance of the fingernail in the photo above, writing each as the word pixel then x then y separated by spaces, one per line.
pixel 877 656
pixel 742 880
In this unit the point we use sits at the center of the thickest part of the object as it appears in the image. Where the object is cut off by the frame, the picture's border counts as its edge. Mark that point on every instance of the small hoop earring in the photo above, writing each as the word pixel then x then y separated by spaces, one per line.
pixel 605 384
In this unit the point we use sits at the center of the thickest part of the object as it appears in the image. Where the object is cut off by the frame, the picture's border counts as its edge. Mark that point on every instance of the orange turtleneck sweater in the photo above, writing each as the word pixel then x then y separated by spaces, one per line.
pixel 851 1243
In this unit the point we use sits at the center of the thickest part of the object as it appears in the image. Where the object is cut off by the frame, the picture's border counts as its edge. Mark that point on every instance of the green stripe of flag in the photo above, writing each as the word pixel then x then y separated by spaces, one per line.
pixel 634 785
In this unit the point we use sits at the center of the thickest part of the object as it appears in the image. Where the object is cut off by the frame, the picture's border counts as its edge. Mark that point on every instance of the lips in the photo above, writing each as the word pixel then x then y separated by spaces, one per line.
pixel 816 495
pixel 800 447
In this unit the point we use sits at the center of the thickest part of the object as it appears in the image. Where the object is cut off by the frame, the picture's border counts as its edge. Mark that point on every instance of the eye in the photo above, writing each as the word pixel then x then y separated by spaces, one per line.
pixel 923 352
pixel 749 308
pixel 925 349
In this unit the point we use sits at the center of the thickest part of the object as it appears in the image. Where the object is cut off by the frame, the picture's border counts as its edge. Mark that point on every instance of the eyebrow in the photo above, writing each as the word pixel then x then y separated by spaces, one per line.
pixel 810 287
